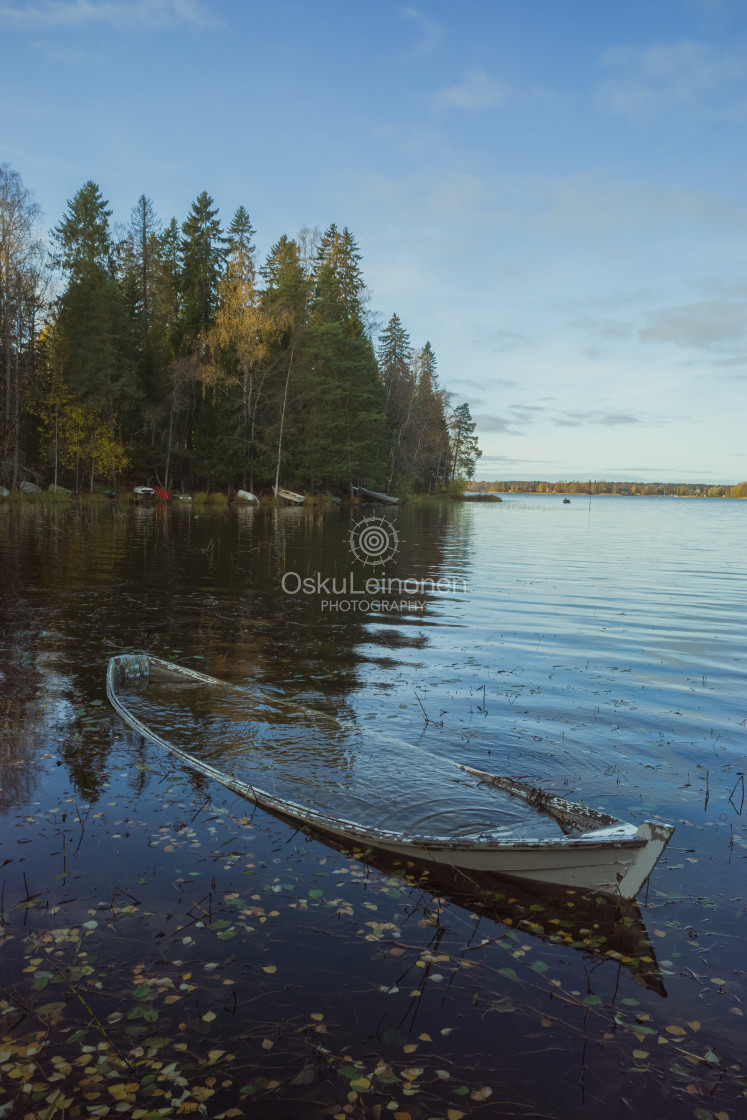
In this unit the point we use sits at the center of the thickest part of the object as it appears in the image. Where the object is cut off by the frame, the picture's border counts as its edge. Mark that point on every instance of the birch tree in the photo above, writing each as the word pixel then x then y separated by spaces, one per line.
pixel 22 284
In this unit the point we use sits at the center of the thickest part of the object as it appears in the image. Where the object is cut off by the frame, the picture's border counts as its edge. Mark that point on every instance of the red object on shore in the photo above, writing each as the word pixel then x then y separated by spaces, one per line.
pixel 161 494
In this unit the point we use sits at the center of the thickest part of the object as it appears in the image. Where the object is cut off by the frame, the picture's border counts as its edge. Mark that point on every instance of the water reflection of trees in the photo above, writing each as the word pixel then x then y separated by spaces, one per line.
pixel 81 583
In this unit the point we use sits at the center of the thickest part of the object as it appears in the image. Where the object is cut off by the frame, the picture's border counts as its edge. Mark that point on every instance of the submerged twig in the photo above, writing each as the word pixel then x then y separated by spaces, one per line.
pixel 91 1012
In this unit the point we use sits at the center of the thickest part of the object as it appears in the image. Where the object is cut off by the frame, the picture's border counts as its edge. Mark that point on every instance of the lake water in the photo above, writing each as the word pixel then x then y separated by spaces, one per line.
pixel 596 648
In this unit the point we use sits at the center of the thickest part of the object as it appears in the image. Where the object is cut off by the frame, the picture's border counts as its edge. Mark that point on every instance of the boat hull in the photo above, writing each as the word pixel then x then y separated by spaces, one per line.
pixel 374 496
pixel 291 496
pixel 611 857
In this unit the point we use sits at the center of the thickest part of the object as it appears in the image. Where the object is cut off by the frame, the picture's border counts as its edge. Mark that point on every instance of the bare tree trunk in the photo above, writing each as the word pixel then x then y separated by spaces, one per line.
pixel 56 433
pixel 282 420
pixel 168 447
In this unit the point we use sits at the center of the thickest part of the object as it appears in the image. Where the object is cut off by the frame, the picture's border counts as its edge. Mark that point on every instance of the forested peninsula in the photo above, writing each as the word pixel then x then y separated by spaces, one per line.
pixel 167 353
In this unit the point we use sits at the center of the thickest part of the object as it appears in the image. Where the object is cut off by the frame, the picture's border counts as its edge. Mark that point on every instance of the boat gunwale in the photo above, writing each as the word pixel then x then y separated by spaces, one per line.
pixel 354 830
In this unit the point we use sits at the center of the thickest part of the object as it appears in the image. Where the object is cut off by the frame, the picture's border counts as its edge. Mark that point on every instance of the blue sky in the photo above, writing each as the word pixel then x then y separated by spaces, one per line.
pixel 553 192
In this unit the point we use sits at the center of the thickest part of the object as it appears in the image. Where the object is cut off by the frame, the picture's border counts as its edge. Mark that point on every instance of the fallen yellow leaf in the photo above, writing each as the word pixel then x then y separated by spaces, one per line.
pixel 640 1053
pixel 269 968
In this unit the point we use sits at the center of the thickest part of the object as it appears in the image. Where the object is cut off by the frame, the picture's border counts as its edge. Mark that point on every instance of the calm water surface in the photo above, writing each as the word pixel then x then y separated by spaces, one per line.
pixel 596 648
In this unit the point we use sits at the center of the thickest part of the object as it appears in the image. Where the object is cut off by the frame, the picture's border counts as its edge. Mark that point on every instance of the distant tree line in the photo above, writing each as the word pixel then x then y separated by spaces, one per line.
pixel 673 489
pixel 169 353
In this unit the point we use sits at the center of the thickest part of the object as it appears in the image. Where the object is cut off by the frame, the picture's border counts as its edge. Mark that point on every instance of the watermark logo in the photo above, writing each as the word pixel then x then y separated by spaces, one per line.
pixel 374 541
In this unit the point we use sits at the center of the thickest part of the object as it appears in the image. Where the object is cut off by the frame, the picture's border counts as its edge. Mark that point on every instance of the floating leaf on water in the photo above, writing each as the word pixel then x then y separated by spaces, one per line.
pixel 270 968
pixel 539 966
pixel 208 1016
pixel 717 980
pixel 675 1030
pixel 267 1043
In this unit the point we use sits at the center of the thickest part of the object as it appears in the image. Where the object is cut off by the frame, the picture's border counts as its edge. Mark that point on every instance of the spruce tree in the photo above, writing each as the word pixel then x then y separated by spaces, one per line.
pixel 338 281
pixel 203 254
pixel 91 337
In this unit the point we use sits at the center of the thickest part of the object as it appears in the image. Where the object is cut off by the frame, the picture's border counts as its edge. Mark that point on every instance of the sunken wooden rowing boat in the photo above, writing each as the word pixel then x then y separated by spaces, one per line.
pixel 378 793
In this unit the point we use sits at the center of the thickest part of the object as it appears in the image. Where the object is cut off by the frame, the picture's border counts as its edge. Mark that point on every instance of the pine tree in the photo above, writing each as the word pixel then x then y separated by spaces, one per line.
pixel 464 448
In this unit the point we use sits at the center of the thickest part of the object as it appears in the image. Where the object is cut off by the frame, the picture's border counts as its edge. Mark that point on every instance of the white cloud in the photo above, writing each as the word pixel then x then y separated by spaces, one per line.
pixel 669 76
pixel 431 32
pixel 145 14
pixel 478 91
pixel 607 418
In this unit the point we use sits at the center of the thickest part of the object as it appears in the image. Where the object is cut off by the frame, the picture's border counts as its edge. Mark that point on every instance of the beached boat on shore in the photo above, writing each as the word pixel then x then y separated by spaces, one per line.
pixel 378 794
pixel 290 496
pixel 366 495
